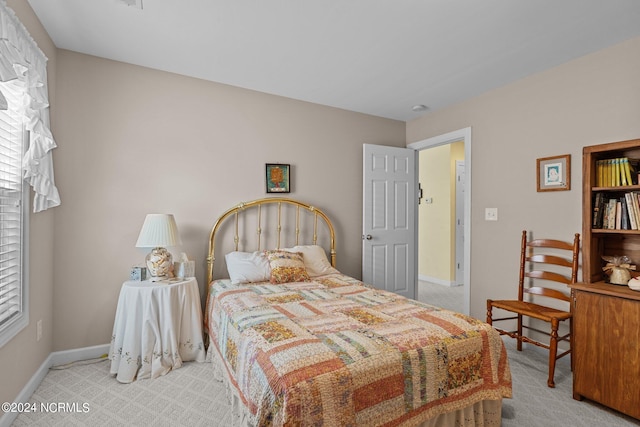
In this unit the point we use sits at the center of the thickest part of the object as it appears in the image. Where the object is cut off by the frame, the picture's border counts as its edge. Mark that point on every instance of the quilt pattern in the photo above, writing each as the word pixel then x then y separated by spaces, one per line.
pixel 335 351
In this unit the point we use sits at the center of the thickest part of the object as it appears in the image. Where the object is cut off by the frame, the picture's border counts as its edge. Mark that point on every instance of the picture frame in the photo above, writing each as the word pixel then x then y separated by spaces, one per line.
pixel 554 173
pixel 277 177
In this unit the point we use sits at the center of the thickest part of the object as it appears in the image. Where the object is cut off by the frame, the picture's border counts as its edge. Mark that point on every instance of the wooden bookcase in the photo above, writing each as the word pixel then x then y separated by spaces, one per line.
pixel 606 325
pixel 599 242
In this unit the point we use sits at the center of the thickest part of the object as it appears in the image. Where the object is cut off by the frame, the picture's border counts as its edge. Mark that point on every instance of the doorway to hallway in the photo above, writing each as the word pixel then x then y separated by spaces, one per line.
pixel 443 230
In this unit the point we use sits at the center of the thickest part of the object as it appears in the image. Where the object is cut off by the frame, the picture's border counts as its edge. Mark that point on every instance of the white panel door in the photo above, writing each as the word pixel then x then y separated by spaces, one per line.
pixel 389 235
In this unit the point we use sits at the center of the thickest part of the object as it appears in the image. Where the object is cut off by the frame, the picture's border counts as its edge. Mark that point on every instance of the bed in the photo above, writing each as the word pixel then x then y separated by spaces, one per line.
pixel 298 343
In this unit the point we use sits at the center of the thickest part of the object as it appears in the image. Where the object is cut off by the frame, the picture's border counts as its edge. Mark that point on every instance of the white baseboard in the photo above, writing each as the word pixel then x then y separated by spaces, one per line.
pixel 54 359
pixel 438 281
pixel 77 354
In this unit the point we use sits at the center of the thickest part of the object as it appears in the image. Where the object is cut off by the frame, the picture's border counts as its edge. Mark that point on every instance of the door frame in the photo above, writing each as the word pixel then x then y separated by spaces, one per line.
pixel 460 202
pixel 447 138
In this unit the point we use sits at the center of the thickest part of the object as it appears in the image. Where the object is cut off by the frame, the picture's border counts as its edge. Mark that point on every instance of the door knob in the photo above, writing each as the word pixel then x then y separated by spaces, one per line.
pixel 369 237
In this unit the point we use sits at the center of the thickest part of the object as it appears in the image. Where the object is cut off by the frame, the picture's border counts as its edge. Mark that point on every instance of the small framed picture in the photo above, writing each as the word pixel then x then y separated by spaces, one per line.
pixel 554 173
pixel 277 177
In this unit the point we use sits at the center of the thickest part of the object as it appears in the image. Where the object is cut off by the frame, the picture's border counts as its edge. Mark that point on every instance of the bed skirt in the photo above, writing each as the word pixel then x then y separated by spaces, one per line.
pixel 481 414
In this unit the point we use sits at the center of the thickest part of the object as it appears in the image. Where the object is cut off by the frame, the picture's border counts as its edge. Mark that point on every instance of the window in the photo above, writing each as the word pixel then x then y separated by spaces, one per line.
pixel 13 289
pixel 25 114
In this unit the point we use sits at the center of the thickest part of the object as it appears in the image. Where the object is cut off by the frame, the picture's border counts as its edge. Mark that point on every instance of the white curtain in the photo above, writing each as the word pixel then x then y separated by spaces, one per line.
pixel 23 65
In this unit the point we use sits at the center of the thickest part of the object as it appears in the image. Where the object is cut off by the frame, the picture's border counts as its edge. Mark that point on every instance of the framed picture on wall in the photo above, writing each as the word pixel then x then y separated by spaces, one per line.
pixel 554 173
pixel 277 178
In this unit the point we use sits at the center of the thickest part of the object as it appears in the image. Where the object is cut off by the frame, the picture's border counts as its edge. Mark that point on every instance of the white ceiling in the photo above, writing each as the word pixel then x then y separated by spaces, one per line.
pixel 378 57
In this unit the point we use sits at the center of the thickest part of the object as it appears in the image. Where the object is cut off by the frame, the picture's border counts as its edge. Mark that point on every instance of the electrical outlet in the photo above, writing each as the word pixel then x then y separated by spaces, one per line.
pixel 38 330
pixel 491 214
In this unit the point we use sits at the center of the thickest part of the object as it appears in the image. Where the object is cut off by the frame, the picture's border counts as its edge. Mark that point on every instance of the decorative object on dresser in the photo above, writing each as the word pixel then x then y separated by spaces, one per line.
pixel 634 283
pixel 183 267
pixel 607 316
pixel 618 269
pixel 159 231
pixel 138 273
pixel 554 173
pixel 543 263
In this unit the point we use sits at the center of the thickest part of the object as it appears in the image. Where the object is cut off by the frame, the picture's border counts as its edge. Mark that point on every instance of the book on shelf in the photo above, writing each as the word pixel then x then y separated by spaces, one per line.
pixel 597 211
pixel 611 223
pixel 635 198
pixel 612 173
pixel 606 179
pixel 632 211
pixel 603 173
pixel 617 172
pixel 626 175
pixel 635 209
pixel 619 211
pixel 599 173
pixel 624 215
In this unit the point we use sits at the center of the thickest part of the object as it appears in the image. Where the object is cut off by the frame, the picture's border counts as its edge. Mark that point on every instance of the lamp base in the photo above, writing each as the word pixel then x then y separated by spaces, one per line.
pixel 159 264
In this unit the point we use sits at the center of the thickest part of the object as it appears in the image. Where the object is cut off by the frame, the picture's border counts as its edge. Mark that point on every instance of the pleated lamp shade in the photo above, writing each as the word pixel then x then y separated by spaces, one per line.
pixel 158 230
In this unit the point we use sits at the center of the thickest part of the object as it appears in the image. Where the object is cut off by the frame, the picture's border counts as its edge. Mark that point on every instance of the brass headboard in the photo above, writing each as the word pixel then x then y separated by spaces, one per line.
pixel 257 205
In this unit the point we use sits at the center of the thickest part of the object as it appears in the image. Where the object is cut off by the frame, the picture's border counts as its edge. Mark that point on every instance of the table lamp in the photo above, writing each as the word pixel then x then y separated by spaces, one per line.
pixel 158 231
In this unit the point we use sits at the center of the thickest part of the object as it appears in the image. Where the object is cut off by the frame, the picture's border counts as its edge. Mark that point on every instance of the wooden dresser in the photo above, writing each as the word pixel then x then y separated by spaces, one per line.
pixel 606 317
pixel 606 346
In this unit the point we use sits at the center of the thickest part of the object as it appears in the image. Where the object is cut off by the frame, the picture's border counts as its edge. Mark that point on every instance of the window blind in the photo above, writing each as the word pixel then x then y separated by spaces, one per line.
pixel 12 132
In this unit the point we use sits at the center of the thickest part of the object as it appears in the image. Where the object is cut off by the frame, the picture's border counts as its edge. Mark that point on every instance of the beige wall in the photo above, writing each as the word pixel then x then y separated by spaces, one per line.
pixel 22 356
pixel 434 244
pixel 594 99
pixel 135 141
pixel 436 240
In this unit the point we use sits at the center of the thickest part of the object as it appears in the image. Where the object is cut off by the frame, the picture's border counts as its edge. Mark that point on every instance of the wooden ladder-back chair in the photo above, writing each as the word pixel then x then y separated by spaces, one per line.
pixel 536 269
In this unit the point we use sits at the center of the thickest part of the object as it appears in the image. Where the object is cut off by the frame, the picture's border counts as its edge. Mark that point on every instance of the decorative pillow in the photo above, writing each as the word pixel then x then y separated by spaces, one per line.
pixel 287 267
pixel 315 259
pixel 247 267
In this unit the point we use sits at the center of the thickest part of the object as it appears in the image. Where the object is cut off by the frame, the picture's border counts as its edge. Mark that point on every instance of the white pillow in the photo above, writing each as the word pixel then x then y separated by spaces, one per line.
pixel 315 259
pixel 247 267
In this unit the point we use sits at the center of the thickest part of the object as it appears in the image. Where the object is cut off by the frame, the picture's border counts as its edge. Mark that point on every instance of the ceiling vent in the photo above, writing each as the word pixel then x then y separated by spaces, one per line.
pixel 135 3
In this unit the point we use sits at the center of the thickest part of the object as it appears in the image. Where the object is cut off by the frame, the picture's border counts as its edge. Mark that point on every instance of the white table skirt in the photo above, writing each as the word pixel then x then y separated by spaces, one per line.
pixel 157 327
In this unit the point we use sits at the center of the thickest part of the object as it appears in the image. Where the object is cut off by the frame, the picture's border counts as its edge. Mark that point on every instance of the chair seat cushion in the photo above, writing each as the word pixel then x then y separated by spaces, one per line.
pixel 530 309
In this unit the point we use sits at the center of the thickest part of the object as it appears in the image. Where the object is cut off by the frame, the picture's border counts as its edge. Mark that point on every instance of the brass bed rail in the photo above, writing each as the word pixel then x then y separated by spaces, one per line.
pixel 279 202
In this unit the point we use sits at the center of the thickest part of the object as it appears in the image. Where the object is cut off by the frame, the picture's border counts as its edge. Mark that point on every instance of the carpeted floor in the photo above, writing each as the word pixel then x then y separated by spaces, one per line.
pixel 449 297
pixel 190 396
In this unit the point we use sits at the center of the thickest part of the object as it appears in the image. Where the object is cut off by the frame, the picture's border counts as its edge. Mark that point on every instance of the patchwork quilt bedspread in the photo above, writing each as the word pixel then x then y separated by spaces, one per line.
pixel 337 352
